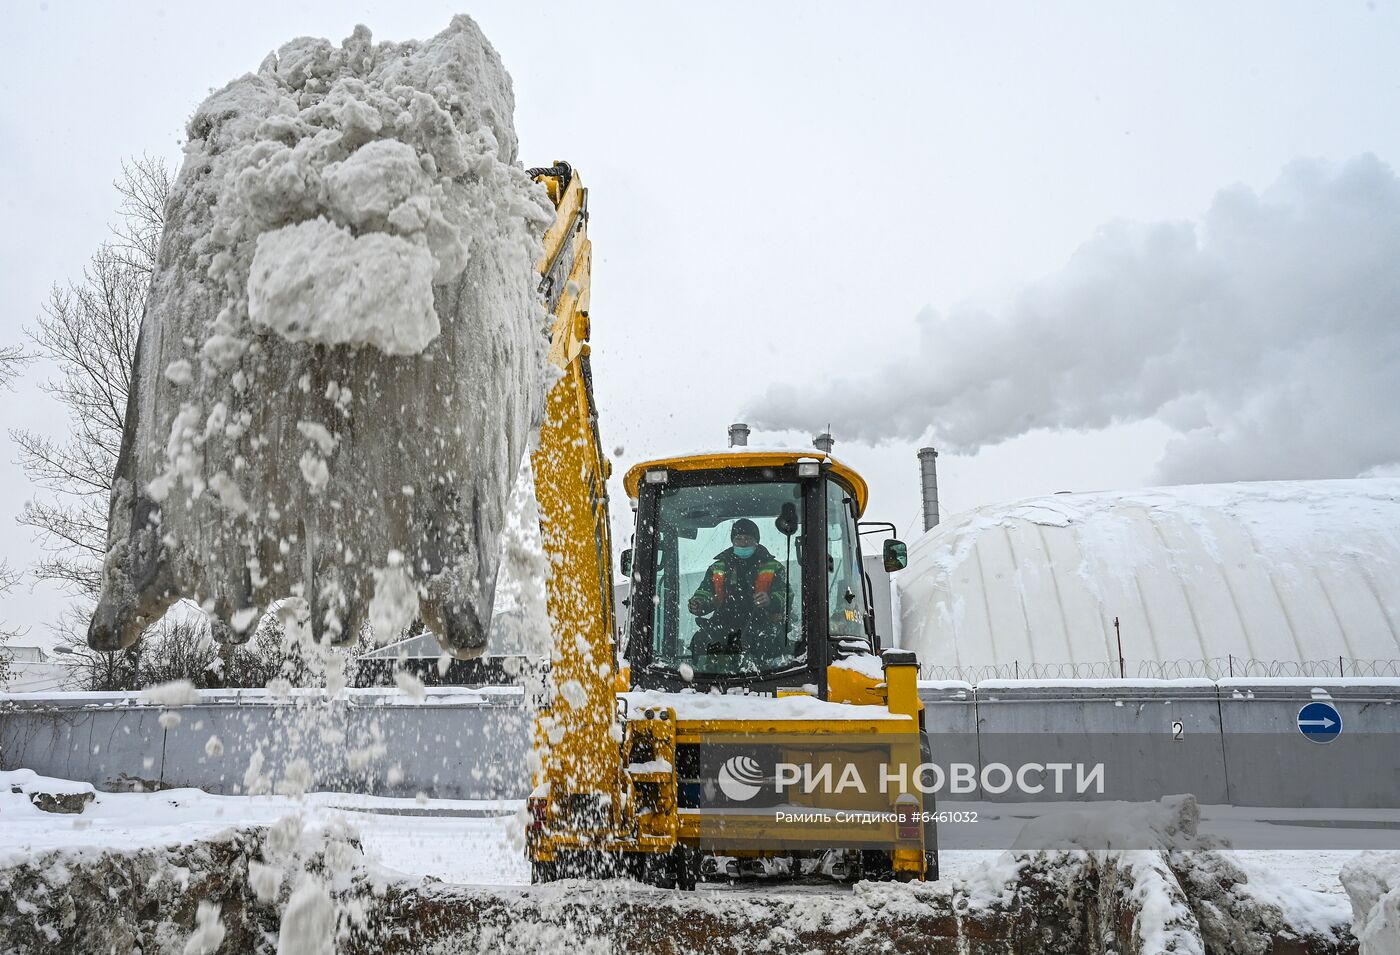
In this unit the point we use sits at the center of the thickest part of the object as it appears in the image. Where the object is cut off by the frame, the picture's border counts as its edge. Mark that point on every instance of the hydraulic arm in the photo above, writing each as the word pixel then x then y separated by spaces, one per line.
pixel 571 473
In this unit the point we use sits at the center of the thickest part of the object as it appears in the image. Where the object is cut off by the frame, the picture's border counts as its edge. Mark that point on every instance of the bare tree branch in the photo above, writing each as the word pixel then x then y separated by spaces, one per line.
pixel 184 650
pixel 89 329
pixel 12 360
pixel 8 579
pixel 144 186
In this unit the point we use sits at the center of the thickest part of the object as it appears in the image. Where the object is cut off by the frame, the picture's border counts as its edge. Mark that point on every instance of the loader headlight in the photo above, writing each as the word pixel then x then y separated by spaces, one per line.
pixel 657 476
pixel 539 812
pixel 907 825
pixel 808 469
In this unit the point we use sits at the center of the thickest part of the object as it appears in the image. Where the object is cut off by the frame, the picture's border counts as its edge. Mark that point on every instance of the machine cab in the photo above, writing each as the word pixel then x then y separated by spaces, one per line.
pixel 746 572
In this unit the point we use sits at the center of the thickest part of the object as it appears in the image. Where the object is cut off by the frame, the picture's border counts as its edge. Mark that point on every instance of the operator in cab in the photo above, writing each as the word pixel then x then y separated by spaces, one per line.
pixel 746 591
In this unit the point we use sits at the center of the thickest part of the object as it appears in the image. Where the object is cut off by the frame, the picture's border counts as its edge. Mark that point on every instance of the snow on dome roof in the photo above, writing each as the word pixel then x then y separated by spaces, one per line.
pixel 1291 572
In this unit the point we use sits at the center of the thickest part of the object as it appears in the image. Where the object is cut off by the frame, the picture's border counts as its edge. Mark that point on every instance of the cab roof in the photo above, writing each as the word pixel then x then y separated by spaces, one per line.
pixel 748 458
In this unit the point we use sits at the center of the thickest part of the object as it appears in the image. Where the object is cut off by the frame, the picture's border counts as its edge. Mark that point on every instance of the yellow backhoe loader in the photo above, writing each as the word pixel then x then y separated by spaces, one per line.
pixel 753 678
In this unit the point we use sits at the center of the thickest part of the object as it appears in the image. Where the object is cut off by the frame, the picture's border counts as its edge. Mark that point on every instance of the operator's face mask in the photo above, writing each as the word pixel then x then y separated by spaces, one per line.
pixel 744 552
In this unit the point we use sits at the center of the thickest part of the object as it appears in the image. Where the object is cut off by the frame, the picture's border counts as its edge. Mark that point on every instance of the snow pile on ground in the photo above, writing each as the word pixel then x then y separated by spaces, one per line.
pixel 1270 571
pixel 1187 892
pixel 192 899
pixel 1172 823
pixel 28 782
pixel 294 870
pixel 173 871
pixel 1372 881
pixel 342 356
pixel 44 794
pixel 456 840
pixel 1126 844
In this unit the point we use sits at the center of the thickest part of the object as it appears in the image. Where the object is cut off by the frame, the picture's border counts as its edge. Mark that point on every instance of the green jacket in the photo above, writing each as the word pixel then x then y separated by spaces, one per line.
pixel 730 584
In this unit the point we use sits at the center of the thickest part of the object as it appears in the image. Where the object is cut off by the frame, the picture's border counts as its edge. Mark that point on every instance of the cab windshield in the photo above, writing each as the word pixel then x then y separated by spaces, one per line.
pixel 728 592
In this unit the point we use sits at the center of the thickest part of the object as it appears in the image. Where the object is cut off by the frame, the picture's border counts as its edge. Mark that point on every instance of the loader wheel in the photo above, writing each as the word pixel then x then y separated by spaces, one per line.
pixel 542 872
pixel 876 865
pixel 931 815
pixel 655 869
pixel 685 862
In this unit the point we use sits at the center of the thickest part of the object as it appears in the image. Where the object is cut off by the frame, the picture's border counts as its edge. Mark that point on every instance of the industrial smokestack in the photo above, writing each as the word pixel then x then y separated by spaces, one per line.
pixel 928 485
pixel 824 442
pixel 738 435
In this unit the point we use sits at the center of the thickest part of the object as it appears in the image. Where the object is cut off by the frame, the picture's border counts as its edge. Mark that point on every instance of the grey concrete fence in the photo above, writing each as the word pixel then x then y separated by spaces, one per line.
pixel 1228 741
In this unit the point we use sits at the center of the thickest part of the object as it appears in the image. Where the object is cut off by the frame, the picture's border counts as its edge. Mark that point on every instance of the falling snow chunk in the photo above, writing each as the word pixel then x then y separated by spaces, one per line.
pixel 410 685
pixel 573 691
pixel 351 235
pixel 174 693
pixel 209 931
pixel 377 179
pixel 179 372
pixel 314 471
pixel 255 781
pixel 395 603
pixel 245 618
pixel 223 350
pixel 316 282
pixel 308 925
pixel 371 228
pixel 318 434
pixel 297 779
pixel 265 880
pixel 229 493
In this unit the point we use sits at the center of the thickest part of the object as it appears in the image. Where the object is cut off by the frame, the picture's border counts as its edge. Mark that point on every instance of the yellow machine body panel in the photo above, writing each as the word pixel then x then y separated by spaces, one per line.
pixel 607 783
pixel 719 460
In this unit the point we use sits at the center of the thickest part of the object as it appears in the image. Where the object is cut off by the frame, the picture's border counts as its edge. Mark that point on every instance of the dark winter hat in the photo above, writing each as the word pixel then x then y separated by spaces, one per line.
pixel 743 526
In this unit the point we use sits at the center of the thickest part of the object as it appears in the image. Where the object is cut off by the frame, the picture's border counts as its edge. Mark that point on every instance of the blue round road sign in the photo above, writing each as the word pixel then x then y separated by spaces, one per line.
pixel 1320 722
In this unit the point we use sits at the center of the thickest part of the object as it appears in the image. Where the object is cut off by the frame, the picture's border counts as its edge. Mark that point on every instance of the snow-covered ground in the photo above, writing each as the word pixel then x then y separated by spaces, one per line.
pixel 479 844
pixel 474 842
pixel 470 842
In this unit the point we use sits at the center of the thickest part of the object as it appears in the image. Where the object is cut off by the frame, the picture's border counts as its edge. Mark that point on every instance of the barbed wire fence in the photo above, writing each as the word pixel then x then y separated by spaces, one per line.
pixel 1212 668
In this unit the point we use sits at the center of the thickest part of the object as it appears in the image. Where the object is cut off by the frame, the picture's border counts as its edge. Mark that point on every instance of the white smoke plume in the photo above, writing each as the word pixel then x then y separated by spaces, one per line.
pixel 1267 334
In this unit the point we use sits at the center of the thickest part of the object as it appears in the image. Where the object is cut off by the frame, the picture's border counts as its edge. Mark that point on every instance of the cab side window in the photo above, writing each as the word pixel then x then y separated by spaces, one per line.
pixel 846 606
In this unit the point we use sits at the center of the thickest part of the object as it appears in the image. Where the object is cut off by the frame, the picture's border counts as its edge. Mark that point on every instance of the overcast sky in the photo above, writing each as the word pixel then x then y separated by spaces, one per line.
pixel 781 191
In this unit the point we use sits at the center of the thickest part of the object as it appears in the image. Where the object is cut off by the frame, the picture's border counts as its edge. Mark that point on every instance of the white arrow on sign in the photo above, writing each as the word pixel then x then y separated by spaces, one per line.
pixel 1324 723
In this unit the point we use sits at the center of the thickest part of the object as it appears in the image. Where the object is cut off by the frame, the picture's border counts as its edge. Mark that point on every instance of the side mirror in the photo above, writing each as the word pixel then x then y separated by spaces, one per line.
pixel 626 562
pixel 896 556
pixel 787 520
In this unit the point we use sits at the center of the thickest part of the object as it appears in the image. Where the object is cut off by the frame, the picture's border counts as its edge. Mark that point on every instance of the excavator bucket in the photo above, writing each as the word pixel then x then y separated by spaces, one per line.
pixel 342 356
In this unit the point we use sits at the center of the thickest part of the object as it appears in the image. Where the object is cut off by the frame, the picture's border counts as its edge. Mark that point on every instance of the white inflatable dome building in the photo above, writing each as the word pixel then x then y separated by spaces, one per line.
pixel 1296 578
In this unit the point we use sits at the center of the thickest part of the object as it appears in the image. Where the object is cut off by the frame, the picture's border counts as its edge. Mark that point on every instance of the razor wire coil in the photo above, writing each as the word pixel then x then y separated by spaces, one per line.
pixel 1212 668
